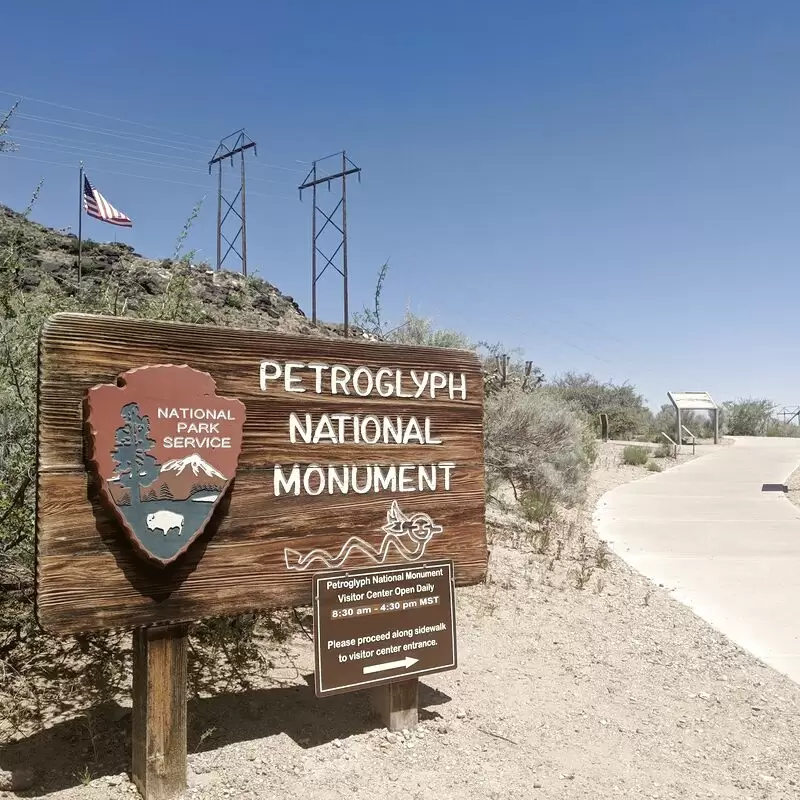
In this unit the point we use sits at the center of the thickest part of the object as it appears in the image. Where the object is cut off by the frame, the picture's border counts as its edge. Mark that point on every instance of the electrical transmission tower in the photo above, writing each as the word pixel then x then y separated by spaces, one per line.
pixel 337 219
pixel 229 146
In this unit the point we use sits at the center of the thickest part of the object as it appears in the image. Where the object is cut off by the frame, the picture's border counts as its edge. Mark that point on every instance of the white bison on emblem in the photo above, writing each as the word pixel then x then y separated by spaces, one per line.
pixel 165 521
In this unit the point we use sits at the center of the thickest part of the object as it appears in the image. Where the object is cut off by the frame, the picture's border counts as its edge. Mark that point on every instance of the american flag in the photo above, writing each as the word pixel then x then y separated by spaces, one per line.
pixel 98 207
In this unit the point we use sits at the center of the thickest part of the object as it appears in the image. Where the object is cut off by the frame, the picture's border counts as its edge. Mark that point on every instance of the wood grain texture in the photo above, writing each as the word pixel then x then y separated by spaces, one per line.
pixel 88 577
pixel 158 764
pixel 397 704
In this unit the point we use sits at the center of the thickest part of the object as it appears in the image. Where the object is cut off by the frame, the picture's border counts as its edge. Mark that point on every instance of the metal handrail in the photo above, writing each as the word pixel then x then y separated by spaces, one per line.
pixel 669 439
pixel 692 437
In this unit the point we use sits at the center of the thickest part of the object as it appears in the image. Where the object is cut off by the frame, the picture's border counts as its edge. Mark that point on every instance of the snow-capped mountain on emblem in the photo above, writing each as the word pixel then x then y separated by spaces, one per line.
pixel 165 447
pixel 196 462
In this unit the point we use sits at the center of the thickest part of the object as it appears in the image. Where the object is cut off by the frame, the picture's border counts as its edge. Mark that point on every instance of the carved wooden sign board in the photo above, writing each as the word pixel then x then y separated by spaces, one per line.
pixel 187 472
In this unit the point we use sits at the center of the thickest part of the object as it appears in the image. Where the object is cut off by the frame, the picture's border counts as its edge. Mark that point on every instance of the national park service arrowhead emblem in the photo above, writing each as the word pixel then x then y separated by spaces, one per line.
pixel 165 448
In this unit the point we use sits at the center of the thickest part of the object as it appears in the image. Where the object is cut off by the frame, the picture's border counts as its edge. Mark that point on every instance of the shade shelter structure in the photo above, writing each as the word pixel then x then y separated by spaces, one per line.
pixel 694 401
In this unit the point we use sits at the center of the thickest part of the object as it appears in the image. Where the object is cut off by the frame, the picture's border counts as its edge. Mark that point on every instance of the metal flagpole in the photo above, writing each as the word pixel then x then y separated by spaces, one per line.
pixel 80 225
pixel 344 242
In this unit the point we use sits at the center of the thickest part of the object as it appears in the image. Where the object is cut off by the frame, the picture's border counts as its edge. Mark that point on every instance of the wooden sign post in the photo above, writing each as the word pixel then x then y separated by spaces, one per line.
pixel 604 427
pixel 158 727
pixel 187 472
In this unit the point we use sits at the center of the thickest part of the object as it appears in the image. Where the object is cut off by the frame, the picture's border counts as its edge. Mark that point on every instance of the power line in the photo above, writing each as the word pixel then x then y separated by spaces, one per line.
pixel 101 154
pixel 566 342
pixel 205 140
pixel 103 170
pixel 60 140
pixel 151 141
pixel 106 132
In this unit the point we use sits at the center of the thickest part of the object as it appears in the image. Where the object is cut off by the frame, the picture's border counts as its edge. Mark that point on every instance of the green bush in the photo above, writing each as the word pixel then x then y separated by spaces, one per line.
pixel 41 671
pixel 413 330
pixel 783 429
pixel 537 506
pixel 627 414
pixel 536 443
pixel 664 450
pixel 635 456
pixel 748 417
pixel 653 466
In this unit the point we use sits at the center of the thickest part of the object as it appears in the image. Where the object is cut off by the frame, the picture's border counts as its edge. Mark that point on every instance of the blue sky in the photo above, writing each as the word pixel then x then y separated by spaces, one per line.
pixel 613 187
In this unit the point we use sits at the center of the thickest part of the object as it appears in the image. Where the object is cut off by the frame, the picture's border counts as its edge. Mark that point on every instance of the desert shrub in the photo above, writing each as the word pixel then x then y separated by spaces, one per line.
pixel 748 416
pixel 505 368
pixel 654 466
pixel 627 414
pixel 413 330
pixel 536 443
pixel 664 450
pixel 635 456
pixel 40 671
pixel 776 428
pixel 537 506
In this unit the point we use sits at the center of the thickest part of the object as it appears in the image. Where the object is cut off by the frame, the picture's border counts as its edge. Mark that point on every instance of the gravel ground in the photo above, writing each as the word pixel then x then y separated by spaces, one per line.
pixel 612 690
pixel 793 485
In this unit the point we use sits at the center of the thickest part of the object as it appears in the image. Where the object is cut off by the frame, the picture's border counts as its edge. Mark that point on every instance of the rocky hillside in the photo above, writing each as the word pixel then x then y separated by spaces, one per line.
pixel 118 280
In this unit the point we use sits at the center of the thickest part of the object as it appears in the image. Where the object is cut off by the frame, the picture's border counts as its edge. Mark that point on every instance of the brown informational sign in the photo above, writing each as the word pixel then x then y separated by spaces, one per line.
pixel 353 455
pixel 383 624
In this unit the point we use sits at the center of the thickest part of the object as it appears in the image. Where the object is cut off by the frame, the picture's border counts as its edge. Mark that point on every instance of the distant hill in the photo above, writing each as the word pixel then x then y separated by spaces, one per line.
pixel 206 296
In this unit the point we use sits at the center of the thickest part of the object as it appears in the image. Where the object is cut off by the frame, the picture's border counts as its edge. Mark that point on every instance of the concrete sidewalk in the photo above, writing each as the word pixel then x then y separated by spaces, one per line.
pixel 729 550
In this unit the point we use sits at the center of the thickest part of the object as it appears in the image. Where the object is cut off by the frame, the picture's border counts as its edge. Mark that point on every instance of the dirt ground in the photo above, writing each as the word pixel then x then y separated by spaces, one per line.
pixel 612 690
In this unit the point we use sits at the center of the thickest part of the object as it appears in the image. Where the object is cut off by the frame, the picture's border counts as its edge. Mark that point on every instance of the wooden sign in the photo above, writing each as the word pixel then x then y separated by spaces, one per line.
pixel 353 455
pixel 376 626
pixel 163 490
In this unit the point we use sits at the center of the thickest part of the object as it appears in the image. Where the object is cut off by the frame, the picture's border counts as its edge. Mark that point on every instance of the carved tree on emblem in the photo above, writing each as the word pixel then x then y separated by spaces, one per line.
pixel 133 463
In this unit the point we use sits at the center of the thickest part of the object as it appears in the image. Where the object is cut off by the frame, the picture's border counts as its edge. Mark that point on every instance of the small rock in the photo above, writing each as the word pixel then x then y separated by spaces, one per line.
pixel 115 780
pixel 19 780
pixel 390 737
pixel 461 714
pixel 442 728
pixel 537 785
pixel 407 734
pixel 336 743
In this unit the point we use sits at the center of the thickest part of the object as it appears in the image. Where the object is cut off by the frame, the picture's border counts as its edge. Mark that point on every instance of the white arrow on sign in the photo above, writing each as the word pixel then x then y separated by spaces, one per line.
pixel 404 664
